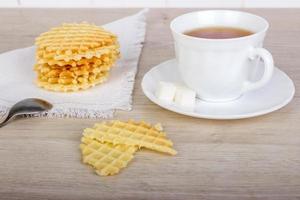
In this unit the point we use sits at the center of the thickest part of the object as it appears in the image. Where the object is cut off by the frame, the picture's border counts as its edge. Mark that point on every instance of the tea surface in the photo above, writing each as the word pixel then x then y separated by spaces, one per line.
pixel 218 32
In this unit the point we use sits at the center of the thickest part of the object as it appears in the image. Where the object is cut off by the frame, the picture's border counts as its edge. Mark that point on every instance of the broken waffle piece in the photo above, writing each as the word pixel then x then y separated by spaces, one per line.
pixel 110 145
pixel 118 132
pixel 106 158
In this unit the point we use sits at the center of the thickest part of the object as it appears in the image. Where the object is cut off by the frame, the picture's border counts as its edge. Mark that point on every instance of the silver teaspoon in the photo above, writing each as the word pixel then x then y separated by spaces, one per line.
pixel 24 107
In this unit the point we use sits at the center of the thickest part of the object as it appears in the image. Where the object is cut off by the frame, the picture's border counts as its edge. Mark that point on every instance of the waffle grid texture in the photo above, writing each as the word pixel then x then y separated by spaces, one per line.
pixel 109 146
pixel 72 57
pixel 106 158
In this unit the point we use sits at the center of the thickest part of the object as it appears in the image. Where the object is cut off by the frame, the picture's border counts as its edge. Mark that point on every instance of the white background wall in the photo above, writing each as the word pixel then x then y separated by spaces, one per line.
pixel 152 3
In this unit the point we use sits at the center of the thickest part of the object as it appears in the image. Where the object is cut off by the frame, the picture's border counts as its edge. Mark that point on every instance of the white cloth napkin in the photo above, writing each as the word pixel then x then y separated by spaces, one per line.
pixel 17 77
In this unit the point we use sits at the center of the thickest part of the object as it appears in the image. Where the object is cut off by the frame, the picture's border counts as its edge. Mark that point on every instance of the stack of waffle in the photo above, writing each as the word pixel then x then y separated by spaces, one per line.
pixel 74 57
pixel 110 146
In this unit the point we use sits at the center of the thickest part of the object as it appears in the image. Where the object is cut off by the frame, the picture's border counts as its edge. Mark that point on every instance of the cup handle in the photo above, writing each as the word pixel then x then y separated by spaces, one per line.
pixel 267 58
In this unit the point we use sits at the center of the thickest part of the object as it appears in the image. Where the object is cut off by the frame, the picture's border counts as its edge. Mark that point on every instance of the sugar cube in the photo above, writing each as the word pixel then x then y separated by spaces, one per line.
pixel 185 97
pixel 166 91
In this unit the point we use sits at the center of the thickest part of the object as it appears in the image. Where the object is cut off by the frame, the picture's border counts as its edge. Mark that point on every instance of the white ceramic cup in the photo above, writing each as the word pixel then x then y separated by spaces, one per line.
pixel 219 69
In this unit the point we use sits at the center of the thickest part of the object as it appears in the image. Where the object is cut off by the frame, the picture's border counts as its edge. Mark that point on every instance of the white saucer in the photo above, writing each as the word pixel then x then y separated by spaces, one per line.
pixel 276 94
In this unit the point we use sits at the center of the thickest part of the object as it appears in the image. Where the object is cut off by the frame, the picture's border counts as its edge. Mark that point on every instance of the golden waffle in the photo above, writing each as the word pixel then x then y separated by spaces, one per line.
pixel 72 84
pixel 56 71
pixel 82 67
pixel 131 133
pixel 54 75
pixel 68 40
pixel 56 58
pixel 106 158
pixel 69 78
pixel 74 57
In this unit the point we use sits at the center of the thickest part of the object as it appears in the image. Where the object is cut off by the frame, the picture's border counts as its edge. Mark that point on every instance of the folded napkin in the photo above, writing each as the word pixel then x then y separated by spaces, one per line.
pixel 17 77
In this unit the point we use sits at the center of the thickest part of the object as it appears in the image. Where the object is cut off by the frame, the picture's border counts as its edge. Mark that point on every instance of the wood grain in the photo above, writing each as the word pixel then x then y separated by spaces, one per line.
pixel 257 158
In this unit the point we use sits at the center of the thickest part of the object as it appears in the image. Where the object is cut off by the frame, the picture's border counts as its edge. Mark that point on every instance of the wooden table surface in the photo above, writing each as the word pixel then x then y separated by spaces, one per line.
pixel 257 158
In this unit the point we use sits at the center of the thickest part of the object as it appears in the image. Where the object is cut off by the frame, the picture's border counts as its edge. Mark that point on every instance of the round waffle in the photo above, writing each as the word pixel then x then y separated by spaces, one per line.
pixel 61 59
pixel 74 57
pixel 75 37
pixel 72 84
pixel 67 78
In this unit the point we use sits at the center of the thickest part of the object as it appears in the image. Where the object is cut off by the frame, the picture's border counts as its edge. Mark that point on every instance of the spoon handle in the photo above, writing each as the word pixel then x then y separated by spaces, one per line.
pixel 5 119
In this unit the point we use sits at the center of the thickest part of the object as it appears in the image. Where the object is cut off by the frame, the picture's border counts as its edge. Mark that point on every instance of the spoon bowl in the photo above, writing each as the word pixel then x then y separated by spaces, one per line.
pixel 26 107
